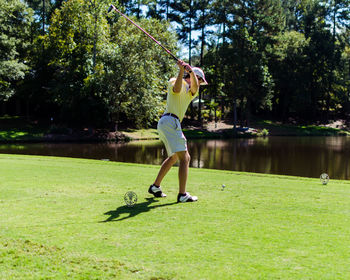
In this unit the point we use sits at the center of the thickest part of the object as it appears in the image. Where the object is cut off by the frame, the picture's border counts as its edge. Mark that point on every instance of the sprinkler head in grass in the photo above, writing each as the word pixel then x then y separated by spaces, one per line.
pixel 223 187
pixel 130 198
pixel 324 178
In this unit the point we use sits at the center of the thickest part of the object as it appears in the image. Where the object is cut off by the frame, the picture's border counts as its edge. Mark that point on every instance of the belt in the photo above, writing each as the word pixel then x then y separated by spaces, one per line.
pixel 172 115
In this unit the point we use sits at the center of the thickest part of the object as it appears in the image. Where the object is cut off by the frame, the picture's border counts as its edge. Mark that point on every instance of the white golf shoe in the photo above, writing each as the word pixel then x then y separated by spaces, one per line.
pixel 156 191
pixel 186 197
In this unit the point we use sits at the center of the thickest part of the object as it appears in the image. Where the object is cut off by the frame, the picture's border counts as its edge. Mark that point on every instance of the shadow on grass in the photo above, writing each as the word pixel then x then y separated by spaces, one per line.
pixel 133 211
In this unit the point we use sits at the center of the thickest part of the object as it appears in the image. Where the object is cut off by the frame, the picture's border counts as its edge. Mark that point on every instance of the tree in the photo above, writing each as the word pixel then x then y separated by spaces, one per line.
pixel 345 76
pixel 159 9
pixel 250 31
pixel 96 8
pixel 287 63
pixel 15 24
pixel 43 11
pixel 292 10
pixel 204 19
pixel 222 16
pixel 184 14
pixel 320 54
pixel 338 12
pixel 133 72
pixel 106 72
pixel 77 32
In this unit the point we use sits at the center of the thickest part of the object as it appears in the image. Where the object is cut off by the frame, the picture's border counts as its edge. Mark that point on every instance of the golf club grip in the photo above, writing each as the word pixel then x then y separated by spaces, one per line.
pixel 144 31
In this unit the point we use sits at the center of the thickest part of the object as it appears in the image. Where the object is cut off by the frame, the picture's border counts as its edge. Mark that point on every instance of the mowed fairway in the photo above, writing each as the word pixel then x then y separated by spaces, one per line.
pixel 65 218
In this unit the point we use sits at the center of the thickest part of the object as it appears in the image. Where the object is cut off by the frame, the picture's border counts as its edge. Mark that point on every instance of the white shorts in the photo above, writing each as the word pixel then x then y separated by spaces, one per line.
pixel 170 132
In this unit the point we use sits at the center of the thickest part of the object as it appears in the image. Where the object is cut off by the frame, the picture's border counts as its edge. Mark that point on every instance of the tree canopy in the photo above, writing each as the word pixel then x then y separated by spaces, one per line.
pixel 279 59
pixel 15 23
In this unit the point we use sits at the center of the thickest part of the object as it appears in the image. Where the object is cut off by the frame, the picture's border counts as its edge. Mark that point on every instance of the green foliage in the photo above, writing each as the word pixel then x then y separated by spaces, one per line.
pixel 15 23
pixel 133 73
pixel 290 82
pixel 243 63
pixel 77 32
pixel 264 132
pixel 69 59
pixel 107 71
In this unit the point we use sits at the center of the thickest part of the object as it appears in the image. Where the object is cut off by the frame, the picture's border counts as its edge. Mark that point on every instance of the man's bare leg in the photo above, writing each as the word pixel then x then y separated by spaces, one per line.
pixel 166 165
pixel 184 158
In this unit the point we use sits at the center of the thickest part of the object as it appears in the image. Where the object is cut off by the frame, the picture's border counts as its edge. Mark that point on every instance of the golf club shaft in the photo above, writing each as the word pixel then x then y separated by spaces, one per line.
pixel 144 31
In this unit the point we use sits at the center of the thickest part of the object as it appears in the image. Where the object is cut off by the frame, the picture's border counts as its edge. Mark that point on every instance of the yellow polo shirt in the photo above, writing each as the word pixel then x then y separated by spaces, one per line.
pixel 177 103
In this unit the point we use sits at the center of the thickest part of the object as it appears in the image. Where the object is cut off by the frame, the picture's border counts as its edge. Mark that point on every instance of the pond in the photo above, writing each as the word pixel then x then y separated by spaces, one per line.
pixel 297 156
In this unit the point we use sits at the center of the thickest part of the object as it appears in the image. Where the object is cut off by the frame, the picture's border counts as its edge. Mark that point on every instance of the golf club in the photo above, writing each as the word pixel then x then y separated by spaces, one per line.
pixel 111 7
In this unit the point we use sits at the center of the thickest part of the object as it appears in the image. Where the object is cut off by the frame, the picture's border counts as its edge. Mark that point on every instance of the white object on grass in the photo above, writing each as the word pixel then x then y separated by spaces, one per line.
pixel 130 198
pixel 324 178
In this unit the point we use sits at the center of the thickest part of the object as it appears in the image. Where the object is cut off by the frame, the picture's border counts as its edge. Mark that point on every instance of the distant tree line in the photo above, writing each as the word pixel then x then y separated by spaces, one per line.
pixel 70 61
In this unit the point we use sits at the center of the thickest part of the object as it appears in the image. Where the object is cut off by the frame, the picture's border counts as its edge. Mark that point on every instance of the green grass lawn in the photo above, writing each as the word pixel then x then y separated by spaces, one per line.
pixel 65 218
pixel 141 134
pixel 19 129
pixel 299 130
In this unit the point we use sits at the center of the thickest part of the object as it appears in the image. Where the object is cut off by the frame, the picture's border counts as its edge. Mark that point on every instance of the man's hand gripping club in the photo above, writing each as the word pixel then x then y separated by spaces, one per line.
pixel 185 67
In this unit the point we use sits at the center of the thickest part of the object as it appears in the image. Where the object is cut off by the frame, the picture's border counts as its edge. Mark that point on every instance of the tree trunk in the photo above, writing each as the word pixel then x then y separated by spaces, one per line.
pixel 200 109
pixel 215 113
pixel 201 64
pixel 247 112
pixel 202 39
pixel 27 108
pixel 190 36
pixel 43 18
pixel 235 115
pixel 223 33
pixel 167 10
pixel 95 42
pixel 18 107
pixel 138 9
pixel 3 108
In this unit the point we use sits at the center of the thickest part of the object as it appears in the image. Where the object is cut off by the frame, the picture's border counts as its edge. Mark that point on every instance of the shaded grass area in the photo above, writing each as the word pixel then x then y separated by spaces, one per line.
pixel 299 130
pixel 151 133
pixel 19 129
pixel 25 134
pixel 140 134
pixel 65 218
pixel 200 134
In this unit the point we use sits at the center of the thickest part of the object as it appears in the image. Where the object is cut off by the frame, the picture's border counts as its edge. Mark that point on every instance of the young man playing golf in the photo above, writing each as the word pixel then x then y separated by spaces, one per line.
pixel 181 92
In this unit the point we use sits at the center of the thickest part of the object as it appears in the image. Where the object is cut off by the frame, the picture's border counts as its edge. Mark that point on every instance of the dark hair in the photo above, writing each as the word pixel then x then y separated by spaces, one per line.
pixel 187 75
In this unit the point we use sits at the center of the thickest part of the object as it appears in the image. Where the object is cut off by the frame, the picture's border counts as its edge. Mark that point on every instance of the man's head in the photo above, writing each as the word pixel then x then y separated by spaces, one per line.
pixel 200 75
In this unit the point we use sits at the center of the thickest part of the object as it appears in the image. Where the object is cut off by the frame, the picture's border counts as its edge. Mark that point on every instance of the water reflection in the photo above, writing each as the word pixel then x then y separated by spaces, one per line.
pixel 299 156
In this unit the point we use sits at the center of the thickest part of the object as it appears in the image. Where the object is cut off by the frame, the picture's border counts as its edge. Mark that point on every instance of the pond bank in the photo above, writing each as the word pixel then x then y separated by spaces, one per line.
pixel 31 132
pixel 226 130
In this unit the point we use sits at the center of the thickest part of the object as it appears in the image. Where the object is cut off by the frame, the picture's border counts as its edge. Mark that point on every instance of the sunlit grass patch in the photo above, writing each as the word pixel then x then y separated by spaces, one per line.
pixel 65 218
